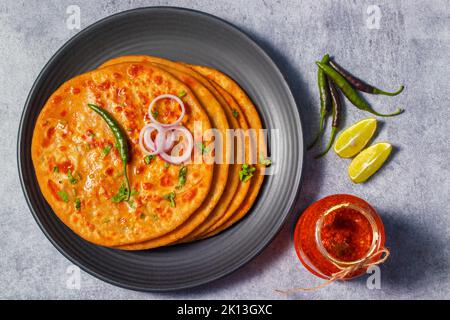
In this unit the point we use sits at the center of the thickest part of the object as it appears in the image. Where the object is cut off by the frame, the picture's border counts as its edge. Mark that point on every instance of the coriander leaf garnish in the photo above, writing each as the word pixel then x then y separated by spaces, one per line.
pixel 148 158
pixel 121 195
pixel 181 94
pixel 166 165
pixel 201 146
pixel 235 113
pixel 155 114
pixel 265 161
pixel 134 192
pixel 171 198
pixel 77 204
pixel 246 172
pixel 71 178
pixel 63 195
pixel 106 150
pixel 182 177
pixel 55 169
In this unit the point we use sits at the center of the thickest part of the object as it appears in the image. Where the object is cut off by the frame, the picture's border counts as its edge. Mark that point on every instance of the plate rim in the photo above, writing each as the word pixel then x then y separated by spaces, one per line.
pixel 250 255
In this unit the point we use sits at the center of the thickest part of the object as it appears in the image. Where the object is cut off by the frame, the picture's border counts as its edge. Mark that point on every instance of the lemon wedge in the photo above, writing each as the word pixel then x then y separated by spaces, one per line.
pixel 353 139
pixel 365 164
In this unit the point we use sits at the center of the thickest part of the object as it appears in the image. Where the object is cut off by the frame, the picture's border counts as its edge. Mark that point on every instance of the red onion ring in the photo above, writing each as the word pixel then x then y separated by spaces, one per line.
pixel 146 142
pixel 166 96
pixel 170 140
pixel 187 150
pixel 166 137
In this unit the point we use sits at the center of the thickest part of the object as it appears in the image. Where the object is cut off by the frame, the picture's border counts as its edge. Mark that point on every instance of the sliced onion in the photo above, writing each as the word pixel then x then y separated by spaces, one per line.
pixel 170 140
pixel 187 150
pixel 146 143
pixel 167 96
pixel 166 137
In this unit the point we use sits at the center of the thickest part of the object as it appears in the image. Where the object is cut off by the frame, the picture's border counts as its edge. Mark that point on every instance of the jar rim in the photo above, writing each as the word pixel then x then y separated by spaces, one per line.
pixel 366 214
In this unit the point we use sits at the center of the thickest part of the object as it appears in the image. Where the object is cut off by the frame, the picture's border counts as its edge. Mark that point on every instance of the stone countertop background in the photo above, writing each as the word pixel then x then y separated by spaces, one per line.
pixel 411 193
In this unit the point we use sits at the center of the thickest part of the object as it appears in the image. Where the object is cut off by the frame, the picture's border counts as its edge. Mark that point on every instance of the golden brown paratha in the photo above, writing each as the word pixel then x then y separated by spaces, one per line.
pixel 235 189
pixel 243 187
pixel 254 121
pixel 78 178
pixel 219 121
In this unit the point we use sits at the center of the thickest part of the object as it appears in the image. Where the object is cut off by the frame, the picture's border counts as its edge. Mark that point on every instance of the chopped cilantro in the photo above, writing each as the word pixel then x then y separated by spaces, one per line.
pixel 171 198
pixel 63 195
pixel 77 204
pixel 265 161
pixel 235 113
pixel 246 172
pixel 55 169
pixel 181 94
pixel 121 195
pixel 106 150
pixel 71 178
pixel 201 146
pixel 149 158
pixel 155 114
pixel 182 177
pixel 166 165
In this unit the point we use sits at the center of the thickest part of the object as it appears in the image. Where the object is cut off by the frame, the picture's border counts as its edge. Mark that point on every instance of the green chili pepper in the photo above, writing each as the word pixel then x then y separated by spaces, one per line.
pixel 324 93
pixel 351 94
pixel 121 140
pixel 359 84
pixel 336 114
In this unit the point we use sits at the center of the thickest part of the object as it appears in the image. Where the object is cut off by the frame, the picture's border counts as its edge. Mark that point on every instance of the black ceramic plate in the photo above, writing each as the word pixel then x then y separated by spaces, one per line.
pixel 197 38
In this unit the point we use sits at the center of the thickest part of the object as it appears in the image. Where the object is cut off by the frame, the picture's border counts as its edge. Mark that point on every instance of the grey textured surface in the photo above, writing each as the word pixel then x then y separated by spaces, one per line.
pixel 411 192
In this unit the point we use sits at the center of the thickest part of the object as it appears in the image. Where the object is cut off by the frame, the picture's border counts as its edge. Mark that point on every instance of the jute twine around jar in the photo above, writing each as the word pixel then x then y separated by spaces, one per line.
pixel 344 271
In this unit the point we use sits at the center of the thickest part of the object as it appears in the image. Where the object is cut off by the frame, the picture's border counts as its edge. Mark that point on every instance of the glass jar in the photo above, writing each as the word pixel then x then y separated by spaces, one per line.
pixel 339 232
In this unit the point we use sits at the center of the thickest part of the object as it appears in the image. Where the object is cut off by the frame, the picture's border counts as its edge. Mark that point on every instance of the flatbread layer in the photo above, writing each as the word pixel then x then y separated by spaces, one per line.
pixel 79 169
pixel 220 123
pixel 193 78
pixel 254 121
pixel 243 187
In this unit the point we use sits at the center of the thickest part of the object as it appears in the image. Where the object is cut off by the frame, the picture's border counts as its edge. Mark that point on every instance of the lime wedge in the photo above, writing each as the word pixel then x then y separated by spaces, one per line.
pixel 354 138
pixel 365 164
